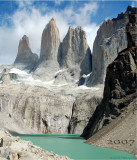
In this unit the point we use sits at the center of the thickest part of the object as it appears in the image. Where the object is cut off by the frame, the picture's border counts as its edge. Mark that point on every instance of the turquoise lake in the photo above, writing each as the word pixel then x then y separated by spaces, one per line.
pixel 73 146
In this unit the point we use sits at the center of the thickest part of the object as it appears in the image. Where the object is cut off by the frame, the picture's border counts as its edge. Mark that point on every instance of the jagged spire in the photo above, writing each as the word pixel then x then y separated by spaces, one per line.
pixel 50 41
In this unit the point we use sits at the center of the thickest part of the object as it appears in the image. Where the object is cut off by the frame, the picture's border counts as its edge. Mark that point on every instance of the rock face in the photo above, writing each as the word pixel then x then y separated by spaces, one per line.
pixel 132 30
pixel 50 49
pixel 50 42
pixel 41 107
pixel 76 54
pixel 25 57
pixel 6 77
pixel 84 106
pixel 110 40
pixel 120 85
pixel 36 108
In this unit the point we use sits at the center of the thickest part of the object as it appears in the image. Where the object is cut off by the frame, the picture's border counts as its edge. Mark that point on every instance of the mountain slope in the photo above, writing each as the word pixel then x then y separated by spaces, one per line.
pixel 119 94
pixel 110 40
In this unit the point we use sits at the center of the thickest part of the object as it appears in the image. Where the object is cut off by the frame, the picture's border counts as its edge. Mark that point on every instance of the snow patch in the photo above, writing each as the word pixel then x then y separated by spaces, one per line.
pixel 27 78
pixel 90 88
pixel 86 78
pixel 61 70
pixel 18 71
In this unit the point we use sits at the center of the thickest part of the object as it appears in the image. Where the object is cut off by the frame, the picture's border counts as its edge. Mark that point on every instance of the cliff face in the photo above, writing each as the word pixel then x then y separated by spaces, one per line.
pixel 76 52
pixel 25 57
pixel 42 107
pixel 120 85
pixel 83 107
pixel 50 42
pixel 37 108
pixel 110 40
pixel 50 48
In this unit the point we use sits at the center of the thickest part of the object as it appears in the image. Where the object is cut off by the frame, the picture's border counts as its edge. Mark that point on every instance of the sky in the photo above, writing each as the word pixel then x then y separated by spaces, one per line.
pixel 29 17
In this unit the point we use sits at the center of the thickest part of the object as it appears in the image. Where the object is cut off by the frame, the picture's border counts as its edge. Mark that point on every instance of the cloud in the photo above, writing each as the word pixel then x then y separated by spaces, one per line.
pixel 58 2
pixel 30 20
pixel 134 3
pixel 91 31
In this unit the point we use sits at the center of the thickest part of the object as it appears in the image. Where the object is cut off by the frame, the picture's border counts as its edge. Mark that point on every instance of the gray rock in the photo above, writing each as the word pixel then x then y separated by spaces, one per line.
pixel 86 64
pixel 76 54
pixel 50 42
pixel 50 49
pixel 25 58
pixel 5 76
pixel 83 108
pixel 64 77
pixel 46 70
pixel 110 40
pixel 38 109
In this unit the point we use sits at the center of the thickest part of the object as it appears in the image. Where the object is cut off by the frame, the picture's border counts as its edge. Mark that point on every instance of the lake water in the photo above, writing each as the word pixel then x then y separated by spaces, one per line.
pixel 73 146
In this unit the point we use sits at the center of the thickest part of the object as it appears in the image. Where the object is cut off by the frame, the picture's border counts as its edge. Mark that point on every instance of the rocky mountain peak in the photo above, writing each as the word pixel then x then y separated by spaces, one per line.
pixel 132 30
pixel 25 58
pixel 110 40
pixel 131 9
pixel 74 50
pixel 24 45
pixel 79 28
pixel 50 49
pixel 53 19
pixel 50 41
pixel 71 28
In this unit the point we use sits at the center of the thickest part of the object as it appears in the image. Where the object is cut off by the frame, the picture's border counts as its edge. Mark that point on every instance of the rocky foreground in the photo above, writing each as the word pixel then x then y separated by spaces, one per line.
pixel 13 148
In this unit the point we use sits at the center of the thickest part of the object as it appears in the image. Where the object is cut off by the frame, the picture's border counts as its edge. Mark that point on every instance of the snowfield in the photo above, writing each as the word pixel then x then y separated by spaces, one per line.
pixel 67 88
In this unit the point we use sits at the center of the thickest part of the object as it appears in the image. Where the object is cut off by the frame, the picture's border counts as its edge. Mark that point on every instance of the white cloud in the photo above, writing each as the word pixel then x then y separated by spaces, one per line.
pixel 58 2
pixel 32 22
pixel 134 3
pixel 91 31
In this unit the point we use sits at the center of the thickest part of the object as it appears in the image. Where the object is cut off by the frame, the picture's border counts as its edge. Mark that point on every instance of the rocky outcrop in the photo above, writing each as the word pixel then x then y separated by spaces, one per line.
pixel 83 107
pixel 50 49
pixel 37 108
pixel 13 148
pixel 76 54
pixel 132 30
pixel 110 40
pixel 50 42
pixel 120 86
pixel 25 58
